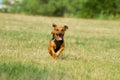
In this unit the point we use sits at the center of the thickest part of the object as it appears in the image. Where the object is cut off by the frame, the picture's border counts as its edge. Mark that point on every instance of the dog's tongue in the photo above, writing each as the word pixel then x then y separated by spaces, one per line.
pixel 59 38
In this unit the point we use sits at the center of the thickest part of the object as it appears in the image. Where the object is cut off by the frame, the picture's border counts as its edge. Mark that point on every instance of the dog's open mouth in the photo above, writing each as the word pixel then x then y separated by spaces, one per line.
pixel 59 36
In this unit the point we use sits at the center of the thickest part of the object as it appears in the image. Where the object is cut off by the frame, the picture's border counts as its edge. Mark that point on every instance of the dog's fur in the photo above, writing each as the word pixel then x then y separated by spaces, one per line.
pixel 56 45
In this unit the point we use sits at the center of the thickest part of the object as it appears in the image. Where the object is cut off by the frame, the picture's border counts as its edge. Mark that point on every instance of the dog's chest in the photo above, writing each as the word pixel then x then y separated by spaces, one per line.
pixel 58 45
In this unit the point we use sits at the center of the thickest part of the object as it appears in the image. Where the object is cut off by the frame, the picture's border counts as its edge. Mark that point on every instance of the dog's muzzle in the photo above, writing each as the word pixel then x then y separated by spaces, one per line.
pixel 59 36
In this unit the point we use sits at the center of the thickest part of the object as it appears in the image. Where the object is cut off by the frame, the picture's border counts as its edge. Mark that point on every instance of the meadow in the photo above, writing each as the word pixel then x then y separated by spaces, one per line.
pixel 92 50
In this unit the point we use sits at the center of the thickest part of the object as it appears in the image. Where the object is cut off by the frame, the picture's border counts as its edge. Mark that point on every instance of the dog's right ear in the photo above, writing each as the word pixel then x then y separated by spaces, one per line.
pixel 54 25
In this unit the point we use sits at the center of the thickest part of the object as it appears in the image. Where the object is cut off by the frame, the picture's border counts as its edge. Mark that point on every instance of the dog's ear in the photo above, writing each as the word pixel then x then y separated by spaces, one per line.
pixel 66 27
pixel 54 25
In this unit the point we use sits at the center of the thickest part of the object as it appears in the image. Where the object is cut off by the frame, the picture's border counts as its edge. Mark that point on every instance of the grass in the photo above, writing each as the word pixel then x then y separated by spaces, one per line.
pixel 92 49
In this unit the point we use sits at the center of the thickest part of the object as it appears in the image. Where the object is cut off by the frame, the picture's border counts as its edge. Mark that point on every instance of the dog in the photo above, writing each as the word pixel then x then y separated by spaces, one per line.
pixel 56 45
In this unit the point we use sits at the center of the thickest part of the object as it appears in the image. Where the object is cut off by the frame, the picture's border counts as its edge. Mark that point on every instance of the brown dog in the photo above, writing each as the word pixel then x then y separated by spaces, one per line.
pixel 56 45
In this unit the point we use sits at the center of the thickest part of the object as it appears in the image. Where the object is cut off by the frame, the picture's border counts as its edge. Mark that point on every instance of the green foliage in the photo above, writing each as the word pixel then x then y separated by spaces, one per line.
pixel 95 8
pixel 70 8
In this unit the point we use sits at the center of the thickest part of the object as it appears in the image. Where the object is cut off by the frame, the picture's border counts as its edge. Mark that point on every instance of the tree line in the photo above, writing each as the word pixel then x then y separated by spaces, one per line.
pixel 63 8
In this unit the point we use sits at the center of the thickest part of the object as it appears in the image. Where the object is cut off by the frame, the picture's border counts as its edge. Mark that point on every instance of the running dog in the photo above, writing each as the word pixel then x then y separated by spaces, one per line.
pixel 56 45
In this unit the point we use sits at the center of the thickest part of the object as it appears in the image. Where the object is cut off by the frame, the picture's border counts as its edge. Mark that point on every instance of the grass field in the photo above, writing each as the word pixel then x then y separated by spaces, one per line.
pixel 92 49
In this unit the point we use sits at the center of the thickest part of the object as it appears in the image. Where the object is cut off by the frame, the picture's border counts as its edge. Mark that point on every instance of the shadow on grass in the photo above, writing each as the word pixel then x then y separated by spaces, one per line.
pixel 69 57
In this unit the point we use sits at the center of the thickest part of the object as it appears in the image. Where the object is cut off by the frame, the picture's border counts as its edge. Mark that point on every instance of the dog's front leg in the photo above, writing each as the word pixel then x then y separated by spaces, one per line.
pixel 53 54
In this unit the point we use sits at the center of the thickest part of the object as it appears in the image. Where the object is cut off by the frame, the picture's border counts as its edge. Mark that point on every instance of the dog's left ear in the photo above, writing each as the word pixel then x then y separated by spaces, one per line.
pixel 54 25
pixel 66 27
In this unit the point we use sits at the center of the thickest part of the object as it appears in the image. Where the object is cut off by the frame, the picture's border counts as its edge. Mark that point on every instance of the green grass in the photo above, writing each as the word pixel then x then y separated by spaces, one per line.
pixel 92 50
pixel 28 71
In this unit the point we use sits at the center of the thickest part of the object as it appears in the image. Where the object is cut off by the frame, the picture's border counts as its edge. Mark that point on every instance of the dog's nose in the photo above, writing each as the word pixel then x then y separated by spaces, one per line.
pixel 60 34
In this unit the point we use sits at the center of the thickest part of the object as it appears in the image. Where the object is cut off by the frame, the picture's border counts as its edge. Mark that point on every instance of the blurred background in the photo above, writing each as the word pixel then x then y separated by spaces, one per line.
pixel 102 9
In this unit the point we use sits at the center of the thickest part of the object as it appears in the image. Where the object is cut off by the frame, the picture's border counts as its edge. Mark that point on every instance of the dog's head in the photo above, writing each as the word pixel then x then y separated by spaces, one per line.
pixel 58 32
